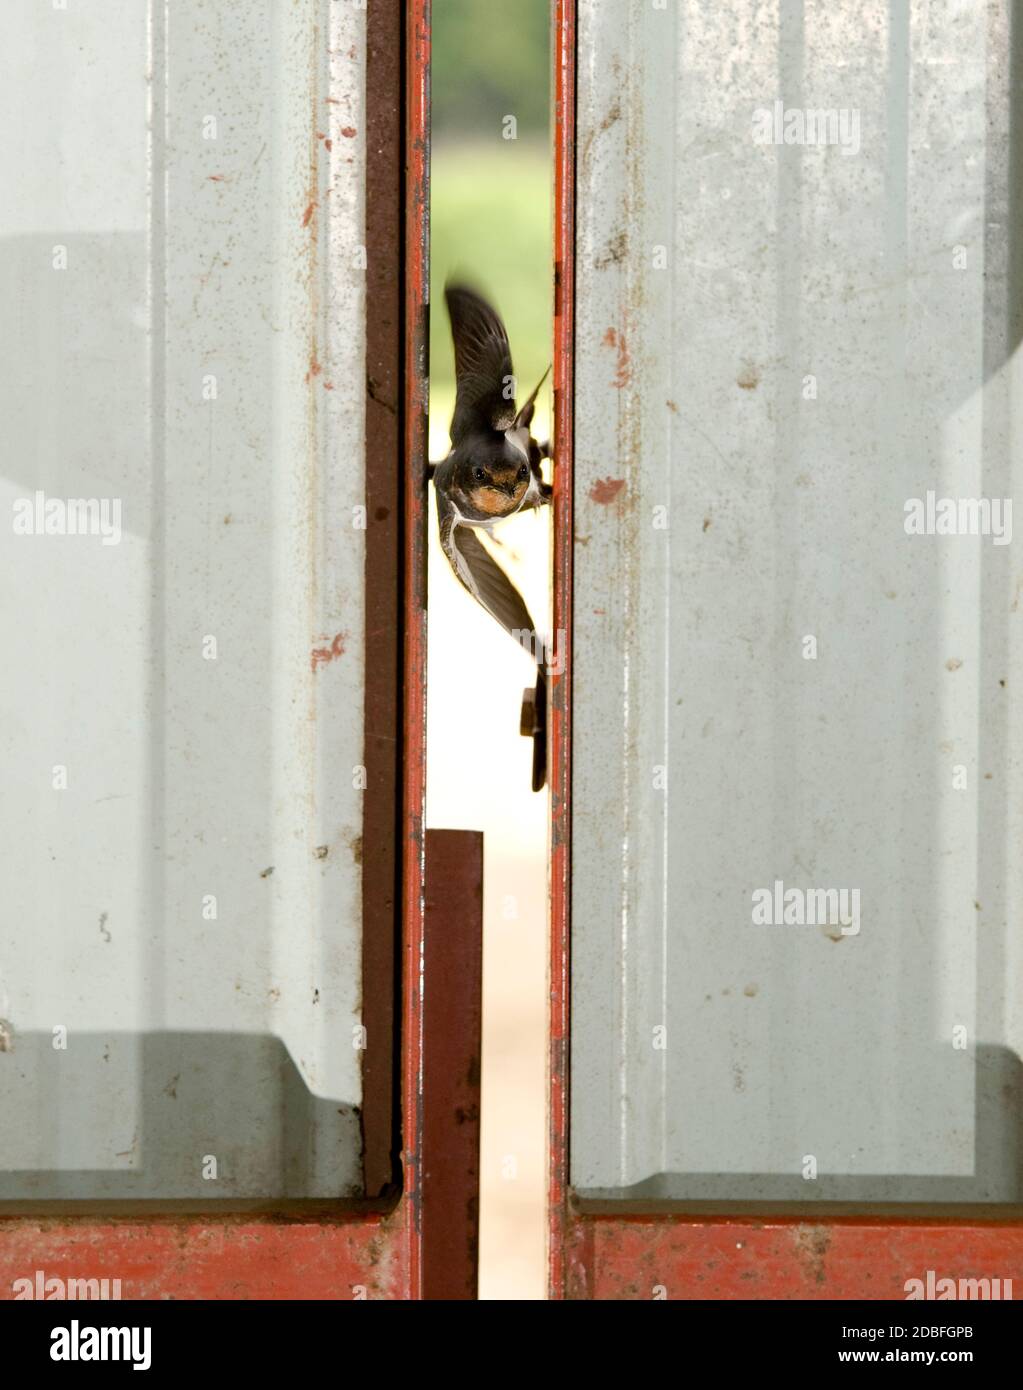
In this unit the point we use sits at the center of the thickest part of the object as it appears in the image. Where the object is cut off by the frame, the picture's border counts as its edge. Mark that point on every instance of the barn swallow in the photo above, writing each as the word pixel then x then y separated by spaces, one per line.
pixel 492 472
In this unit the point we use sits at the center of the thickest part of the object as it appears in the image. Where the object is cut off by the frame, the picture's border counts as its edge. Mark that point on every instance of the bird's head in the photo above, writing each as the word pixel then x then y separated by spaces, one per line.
pixel 495 479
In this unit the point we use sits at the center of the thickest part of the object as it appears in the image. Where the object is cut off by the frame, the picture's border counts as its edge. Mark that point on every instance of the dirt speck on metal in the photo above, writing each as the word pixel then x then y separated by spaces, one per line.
pixel 614 252
pixel 749 378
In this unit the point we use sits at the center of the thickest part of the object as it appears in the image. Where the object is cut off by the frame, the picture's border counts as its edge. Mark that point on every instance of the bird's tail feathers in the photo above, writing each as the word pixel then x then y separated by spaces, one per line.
pixel 525 415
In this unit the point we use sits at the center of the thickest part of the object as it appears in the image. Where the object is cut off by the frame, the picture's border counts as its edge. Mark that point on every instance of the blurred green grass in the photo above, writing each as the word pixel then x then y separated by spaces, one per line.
pixel 491 226
pixel 490 59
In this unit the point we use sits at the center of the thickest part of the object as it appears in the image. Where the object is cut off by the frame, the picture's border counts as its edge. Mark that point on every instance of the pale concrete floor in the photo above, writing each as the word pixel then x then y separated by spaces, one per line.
pixel 479 773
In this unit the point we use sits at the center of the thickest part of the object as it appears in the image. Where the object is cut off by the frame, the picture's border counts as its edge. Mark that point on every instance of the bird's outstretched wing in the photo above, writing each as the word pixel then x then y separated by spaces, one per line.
pixel 483 365
pixel 480 573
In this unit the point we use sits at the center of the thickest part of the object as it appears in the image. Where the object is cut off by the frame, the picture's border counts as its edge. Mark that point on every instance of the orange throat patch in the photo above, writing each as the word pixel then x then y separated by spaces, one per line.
pixel 495 503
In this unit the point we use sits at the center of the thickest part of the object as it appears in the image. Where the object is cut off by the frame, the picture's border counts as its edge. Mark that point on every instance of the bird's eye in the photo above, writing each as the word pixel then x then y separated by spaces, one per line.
pixel 479 475
pixel 523 473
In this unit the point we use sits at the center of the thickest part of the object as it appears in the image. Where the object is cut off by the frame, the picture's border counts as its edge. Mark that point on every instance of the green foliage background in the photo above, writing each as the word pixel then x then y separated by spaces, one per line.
pixel 490 202
pixel 485 61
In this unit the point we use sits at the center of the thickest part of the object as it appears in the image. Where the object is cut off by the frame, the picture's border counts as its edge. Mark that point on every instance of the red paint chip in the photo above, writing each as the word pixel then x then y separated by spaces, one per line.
pixel 605 490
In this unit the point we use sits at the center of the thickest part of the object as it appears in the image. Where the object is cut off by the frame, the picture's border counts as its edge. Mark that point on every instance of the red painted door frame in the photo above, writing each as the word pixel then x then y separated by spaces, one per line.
pixel 602 1254
pixel 418 1243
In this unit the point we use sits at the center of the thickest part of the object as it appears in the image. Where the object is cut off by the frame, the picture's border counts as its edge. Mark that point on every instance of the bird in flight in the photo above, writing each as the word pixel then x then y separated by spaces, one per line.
pixel 492 472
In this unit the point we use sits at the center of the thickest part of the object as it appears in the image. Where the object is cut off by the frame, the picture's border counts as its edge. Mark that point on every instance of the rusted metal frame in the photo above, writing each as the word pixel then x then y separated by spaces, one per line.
pixel 443 875
pixel 416 400
pixel 303 1250
pixel 384 643
pixel 560 702
pixel 452 1029
pixel 612 1255
pixel 794 1257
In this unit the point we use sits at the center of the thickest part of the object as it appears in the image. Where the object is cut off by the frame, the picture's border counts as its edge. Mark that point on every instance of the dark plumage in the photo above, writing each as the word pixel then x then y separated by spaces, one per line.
pixel 493 469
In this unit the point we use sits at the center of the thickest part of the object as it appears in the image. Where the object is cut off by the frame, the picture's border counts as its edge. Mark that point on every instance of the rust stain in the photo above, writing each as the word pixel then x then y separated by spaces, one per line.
pixel 315 366
pixel 614 252
pixel 812 1244
pixel 672 407
pixel 307 216
pixel 322 655
pixel 623 371
pixel 605 490
pixel 610 118
pixel 749 378
pixel 348 131
pixel 217 178
pixel 706 523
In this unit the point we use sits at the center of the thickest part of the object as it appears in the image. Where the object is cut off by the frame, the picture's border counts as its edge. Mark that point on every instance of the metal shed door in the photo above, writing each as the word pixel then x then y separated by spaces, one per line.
pixel 795 944
pixel 206 359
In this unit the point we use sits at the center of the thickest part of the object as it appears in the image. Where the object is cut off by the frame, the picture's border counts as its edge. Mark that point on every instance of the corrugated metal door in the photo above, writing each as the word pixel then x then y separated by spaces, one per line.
pixel 213 370
pixel 186 353
pixel 795 950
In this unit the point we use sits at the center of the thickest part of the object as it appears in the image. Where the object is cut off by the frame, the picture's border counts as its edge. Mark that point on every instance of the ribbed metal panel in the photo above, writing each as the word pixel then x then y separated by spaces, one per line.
pixel 778 346
pixel 193 356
